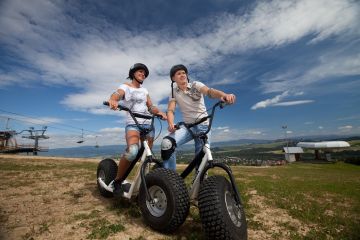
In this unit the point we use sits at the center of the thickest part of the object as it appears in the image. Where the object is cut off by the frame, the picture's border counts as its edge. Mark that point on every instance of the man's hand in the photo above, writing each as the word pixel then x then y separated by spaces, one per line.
pixel 171 128
pixel 229 98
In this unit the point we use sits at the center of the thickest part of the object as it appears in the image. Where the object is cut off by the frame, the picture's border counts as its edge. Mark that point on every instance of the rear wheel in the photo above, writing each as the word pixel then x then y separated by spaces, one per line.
pixel 221 217
pixel 170 205
pixel 106 170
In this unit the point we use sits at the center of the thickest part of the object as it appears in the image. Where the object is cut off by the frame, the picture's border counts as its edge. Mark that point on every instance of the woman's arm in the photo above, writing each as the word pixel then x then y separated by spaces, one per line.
pixel 154 109
pixel 115 98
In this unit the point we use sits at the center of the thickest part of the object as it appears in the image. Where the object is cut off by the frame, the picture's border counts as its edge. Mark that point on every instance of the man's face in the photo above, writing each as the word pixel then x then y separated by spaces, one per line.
pixel 180 77
pixel 139 75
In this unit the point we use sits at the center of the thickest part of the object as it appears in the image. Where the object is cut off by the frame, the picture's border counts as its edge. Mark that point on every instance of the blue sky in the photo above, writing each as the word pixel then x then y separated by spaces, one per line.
pixel 294 63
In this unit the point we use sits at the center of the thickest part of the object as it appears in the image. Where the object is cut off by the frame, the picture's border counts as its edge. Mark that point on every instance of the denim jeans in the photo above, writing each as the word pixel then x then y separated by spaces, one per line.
pixel 183 136
pixel 134 127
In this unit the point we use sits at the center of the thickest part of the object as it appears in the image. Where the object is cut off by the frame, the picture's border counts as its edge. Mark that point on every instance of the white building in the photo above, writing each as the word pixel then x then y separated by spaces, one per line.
pixel 292 154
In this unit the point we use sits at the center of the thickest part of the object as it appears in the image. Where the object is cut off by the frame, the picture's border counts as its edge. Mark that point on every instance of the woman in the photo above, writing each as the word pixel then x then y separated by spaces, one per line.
pixel 136 98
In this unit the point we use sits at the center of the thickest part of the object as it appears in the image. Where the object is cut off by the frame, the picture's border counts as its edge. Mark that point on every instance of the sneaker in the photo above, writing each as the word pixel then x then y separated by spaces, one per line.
pixel 118 191
pixel 126 186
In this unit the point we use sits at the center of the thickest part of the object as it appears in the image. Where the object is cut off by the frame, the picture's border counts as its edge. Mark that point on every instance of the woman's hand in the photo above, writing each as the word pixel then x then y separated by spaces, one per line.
pixel 113 104
pixel 163 115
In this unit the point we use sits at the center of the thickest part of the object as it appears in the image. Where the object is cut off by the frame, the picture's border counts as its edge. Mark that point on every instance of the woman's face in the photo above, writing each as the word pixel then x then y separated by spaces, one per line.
pixel 140 75
pixel 180 77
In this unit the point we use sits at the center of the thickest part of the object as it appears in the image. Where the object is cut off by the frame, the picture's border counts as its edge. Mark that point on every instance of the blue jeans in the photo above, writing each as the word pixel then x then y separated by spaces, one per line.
pixel 183 136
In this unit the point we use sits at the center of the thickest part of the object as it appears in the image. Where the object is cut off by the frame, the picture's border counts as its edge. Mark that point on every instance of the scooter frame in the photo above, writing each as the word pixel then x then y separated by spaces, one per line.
pixel 146 157
pixel 204 159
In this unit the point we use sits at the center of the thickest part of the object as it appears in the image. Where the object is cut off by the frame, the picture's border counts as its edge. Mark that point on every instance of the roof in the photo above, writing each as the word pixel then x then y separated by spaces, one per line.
pixel 293 150
pixel 320 145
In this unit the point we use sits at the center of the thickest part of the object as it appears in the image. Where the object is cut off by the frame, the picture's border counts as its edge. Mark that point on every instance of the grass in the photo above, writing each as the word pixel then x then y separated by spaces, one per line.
pixel 324 195
pixel 102 229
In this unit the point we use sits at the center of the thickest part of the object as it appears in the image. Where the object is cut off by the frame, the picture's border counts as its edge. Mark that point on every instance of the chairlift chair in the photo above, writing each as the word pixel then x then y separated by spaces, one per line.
pixel 97 145
pixel 82 137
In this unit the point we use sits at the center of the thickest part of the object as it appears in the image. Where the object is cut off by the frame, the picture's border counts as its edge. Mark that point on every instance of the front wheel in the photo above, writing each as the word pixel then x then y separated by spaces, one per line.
pixel 170 205
pixel 106 171
pixel 221 217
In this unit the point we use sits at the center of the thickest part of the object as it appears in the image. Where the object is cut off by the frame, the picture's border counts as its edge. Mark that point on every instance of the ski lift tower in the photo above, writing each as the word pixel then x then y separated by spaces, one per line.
pixel 36 135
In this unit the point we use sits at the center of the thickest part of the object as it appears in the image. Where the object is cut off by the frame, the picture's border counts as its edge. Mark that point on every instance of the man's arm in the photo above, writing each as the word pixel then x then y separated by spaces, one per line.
pixel 214 93
pixel 171 115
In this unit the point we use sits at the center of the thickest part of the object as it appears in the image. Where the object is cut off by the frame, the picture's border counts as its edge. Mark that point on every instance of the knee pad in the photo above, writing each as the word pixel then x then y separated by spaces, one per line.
pixel 131 152
pixel 168 146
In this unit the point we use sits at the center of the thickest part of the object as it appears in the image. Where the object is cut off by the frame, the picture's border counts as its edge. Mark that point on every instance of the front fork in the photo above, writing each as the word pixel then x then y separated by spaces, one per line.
pixel 149 159
pixel 208 163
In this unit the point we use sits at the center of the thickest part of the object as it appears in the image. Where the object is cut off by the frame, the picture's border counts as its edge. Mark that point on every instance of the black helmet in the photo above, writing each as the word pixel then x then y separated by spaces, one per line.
pixel 136 67
pixel 176 68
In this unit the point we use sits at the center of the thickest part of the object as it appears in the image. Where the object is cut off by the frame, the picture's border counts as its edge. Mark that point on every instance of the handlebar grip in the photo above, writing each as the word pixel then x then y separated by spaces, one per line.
pixel 106 103
pixel 223 104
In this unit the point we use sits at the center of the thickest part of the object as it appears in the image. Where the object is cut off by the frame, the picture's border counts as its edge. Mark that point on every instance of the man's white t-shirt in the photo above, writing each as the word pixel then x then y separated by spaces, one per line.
pixel 191 102
pixel 135 99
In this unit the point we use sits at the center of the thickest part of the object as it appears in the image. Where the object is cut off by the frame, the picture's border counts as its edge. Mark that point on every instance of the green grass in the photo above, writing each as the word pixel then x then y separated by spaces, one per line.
pixel 325 195
pixel 102 229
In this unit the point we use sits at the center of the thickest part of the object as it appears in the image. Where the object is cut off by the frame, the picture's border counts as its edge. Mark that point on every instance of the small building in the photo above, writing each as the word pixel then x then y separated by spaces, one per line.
pixel 292 154
pixel 326 147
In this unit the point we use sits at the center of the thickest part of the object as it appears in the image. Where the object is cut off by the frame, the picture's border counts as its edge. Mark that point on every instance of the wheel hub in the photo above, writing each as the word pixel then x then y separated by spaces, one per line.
pixel 233 209
pixel 102 175
pixel 158 205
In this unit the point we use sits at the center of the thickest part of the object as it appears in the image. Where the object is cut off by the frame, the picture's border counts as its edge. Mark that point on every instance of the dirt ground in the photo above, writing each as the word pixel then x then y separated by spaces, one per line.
pixel 53 198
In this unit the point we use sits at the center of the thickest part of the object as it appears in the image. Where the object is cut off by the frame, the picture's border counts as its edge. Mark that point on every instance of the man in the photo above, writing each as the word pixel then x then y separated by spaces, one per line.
pixel 190 98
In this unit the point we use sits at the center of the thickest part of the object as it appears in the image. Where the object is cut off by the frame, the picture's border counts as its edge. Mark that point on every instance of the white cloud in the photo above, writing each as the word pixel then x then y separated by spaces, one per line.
pixel 343 61
pixel 292 103
pixel 222 128
pixel 112 130
pixel 270 102
pixel 256 132
pixel 44 121
pixel 348 127
pixel 227 134
pixel 65 51
pixel 277 101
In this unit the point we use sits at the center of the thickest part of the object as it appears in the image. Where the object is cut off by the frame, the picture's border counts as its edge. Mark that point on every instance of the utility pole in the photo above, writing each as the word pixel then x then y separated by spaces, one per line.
pixel 36 135
pixel 7 124
pixel 285 134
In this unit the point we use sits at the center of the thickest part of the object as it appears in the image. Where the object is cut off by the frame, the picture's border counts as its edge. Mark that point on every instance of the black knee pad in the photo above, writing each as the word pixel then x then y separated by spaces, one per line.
pixel 168 146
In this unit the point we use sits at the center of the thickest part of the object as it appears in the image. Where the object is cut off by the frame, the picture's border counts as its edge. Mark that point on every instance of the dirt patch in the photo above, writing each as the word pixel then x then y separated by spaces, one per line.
pixel 273 223
pixel 57 198
pixel 50 198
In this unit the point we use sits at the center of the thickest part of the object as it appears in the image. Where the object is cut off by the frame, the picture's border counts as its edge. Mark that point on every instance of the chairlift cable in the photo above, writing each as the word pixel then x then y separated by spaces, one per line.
pixel 46 121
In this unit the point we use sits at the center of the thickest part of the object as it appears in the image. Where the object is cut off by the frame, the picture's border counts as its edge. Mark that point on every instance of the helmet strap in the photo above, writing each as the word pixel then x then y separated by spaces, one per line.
pixel 172 89
pixel 137 80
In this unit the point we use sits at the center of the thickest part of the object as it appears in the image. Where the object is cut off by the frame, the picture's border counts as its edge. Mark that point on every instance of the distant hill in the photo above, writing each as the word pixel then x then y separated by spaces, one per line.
pixel 86 151
pixel 117 150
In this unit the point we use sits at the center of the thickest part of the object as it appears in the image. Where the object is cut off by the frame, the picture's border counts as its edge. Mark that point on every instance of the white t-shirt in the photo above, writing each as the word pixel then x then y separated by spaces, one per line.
pixel 135 99
pixel 191 102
